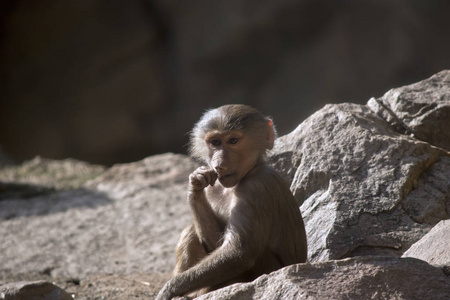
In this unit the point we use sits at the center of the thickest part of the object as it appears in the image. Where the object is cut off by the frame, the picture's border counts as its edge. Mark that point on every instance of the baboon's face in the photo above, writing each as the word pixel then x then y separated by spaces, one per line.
pixel 232 155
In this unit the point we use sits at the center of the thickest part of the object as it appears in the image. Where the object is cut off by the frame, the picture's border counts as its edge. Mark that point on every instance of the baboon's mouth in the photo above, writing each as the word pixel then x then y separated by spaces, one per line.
pixel 223 176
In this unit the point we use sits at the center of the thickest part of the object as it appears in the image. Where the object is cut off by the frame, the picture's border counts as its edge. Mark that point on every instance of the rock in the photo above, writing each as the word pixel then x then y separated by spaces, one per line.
pixel 126 220
pixel 421 109
pixel 354 278
pixel 159 171
pixel 38 290
pixel 52 174
pixel 363 188
pixel 434 247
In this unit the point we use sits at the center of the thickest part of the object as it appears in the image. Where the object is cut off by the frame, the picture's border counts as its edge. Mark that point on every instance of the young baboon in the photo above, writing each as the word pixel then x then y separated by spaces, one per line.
pixel 245 225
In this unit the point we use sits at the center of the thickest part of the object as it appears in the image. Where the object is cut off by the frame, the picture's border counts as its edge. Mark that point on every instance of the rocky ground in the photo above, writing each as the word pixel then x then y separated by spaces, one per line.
pixel 372 182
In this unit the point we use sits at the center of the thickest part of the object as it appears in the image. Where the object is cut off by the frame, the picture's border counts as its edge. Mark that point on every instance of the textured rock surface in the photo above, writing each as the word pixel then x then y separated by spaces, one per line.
pixel 422 109
pixel 434 247
pixel 39 290
pixel 127 220
pixel 355 278
pixel 50 174
pixel 363 188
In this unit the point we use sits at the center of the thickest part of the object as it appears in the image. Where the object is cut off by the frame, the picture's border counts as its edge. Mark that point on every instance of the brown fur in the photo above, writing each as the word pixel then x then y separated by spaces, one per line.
pixel 247 224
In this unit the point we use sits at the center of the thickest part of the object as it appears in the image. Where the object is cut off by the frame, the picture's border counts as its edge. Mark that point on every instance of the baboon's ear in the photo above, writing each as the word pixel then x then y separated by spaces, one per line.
pixel 270 135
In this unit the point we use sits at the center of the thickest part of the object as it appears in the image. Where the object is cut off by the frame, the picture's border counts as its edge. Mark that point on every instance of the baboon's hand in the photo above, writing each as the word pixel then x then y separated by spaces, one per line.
pixel 170 292
pixel 201 178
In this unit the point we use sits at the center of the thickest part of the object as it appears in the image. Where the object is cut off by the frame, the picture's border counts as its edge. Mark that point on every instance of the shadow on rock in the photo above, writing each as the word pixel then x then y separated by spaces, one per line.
pixel 10 190
pixel 21 200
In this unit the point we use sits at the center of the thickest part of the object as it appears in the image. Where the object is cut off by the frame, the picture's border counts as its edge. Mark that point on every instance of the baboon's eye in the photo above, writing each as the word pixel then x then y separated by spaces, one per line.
pixel 233 141
pixel 214 142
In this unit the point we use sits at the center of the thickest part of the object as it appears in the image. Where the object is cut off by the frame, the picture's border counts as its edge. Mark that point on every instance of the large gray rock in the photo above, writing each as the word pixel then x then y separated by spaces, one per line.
pixel 39 290
pixel 355 278
pixel 126 220
pixel 421 109
pixel 363 188
pixel 434 247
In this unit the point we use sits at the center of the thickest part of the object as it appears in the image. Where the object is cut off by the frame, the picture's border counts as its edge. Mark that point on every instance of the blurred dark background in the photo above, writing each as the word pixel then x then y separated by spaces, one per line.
pixel 109 81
